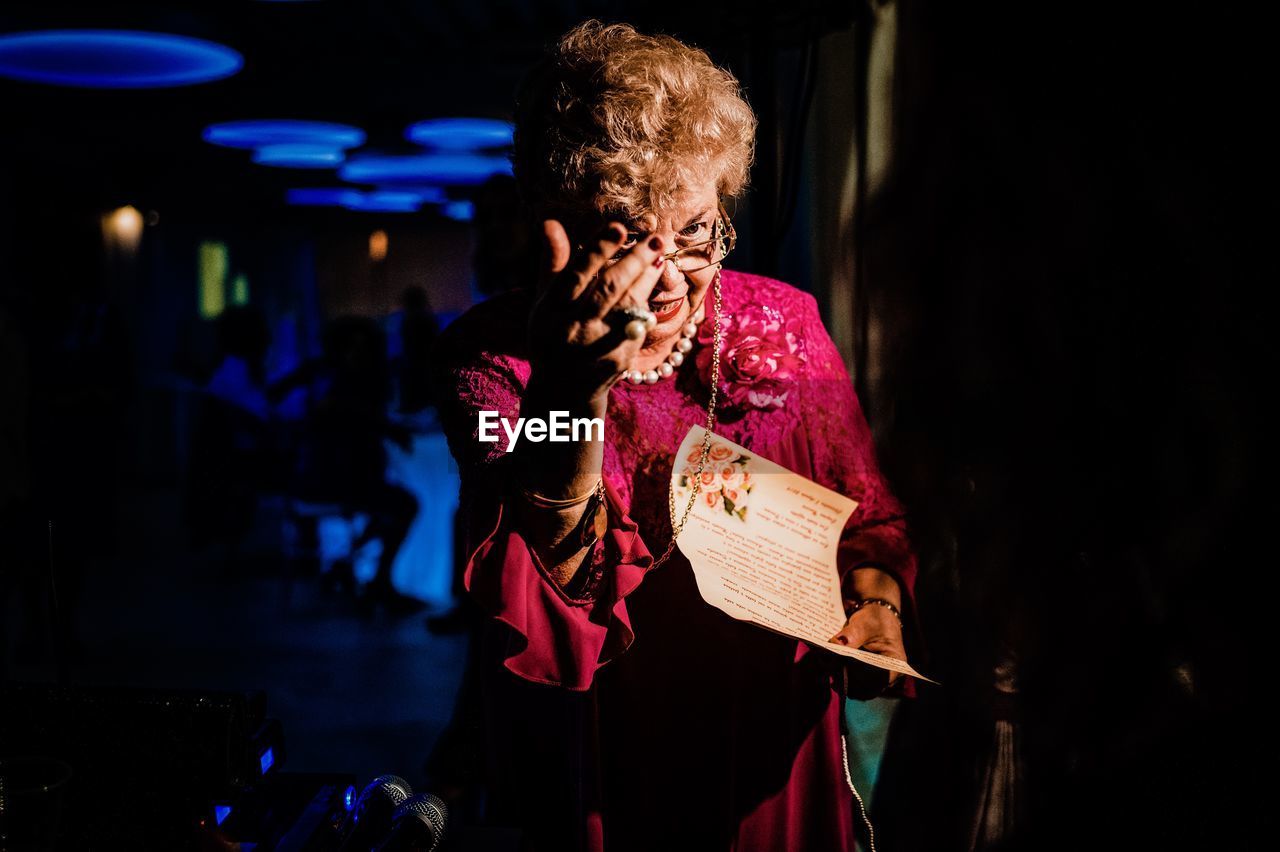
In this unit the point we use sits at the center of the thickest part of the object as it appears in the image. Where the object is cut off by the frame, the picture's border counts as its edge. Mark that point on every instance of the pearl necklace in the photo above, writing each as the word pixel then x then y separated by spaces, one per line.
pixel 668 367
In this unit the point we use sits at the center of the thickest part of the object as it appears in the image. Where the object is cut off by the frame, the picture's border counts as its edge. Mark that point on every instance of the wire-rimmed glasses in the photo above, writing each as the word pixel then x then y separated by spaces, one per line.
pixel 699 256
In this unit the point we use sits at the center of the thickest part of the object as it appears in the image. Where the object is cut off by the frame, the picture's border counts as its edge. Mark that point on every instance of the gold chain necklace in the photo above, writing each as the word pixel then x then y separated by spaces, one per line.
pixel 678 526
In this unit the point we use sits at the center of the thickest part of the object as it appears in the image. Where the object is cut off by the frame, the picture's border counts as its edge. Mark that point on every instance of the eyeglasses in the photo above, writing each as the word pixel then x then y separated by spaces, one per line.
pixel 701 255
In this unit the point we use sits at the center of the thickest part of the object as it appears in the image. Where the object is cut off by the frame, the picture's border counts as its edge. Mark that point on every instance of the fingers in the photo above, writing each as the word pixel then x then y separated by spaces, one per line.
pixel 589 276
pixel 865 682
pixel 872 631
pixel 631 279
pixel 556 241
pixel 570 274
pixel 852 634
pixel 582 269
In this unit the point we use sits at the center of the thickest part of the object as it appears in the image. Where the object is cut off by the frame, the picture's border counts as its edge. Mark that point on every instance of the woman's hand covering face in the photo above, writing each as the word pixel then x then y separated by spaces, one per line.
pixel 570 332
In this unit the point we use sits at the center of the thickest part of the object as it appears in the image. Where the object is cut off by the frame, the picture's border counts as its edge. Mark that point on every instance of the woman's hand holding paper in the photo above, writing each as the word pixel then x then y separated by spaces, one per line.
pixel 875 629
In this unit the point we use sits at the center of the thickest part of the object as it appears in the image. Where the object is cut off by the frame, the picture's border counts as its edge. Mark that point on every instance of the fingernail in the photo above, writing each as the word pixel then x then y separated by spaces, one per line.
pixel 842 640
pixel 655 243
pixel 658 261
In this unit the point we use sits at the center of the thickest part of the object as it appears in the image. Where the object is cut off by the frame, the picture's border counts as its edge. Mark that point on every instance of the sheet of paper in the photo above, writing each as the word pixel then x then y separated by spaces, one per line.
pixel 762 542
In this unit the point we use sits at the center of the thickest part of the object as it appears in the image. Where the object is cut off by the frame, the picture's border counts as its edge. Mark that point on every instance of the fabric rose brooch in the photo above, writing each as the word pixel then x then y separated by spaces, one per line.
pixel 760 359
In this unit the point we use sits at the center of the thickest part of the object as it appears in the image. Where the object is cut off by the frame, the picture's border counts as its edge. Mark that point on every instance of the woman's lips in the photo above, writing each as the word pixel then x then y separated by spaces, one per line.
pixel 666 309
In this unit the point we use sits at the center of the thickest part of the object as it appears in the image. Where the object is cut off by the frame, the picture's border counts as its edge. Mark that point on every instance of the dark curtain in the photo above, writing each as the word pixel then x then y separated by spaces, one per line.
pixel 1056 284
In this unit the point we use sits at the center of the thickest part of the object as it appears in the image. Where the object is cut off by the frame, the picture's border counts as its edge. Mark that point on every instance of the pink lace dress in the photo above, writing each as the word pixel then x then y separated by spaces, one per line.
pixel 642 718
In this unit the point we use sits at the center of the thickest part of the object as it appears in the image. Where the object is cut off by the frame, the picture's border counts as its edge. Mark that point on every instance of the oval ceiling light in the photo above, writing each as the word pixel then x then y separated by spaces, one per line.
pixel 114 59
pixel 385 201
pixel 427 193
pixel 459 211
pixel 323 197
pixel 461 134
pixel 299 156
pixel 257 132
pixel 443 169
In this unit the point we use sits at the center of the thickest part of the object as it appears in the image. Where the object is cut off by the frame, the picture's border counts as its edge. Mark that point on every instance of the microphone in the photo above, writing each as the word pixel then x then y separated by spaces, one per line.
pixel 372 815
pixel 418 825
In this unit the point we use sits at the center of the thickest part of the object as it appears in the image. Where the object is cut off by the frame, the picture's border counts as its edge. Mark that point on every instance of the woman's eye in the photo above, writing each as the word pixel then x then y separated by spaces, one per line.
pixel 632 239
pixel 694 229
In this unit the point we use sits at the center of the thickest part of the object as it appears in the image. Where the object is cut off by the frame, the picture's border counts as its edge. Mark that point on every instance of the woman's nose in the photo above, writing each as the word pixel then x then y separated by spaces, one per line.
pixel 671 276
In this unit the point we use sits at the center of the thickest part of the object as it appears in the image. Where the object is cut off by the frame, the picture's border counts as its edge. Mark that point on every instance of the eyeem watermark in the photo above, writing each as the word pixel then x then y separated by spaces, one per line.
pixel 560 428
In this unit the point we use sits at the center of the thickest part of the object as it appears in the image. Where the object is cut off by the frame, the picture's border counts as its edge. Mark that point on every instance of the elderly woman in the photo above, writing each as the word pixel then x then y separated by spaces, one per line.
pixel 622 712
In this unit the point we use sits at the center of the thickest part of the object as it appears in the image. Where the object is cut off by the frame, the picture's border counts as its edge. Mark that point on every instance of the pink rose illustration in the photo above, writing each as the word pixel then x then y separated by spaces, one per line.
pixel 723 486
pixel 730 476
pixel 687 475
pixel 761 355
pixel 737 497
pixel 722 453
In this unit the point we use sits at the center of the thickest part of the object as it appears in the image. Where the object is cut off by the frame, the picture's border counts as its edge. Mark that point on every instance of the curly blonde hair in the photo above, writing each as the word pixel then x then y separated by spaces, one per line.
pixel 625 123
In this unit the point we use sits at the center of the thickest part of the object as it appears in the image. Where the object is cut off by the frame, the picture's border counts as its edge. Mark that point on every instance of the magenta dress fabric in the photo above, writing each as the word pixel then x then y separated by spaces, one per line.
pixel 643 718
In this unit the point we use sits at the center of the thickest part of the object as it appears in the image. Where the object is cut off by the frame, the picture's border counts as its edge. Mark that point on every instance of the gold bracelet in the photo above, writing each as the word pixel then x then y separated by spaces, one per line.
pixel 541 502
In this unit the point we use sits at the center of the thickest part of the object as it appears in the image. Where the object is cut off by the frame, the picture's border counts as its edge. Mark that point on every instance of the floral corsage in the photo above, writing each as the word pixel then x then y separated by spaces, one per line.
pixel 760 358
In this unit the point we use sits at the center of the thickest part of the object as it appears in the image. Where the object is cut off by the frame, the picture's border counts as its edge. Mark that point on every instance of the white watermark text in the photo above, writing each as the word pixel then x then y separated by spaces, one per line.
pixel 560 428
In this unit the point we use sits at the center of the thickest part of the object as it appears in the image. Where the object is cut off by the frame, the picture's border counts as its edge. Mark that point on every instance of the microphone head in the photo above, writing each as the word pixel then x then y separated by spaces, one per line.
pixel 424 812
pixel 392 788
pixel 381 795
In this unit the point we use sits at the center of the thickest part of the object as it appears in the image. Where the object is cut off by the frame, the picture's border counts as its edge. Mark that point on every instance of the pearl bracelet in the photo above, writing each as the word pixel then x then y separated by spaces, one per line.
pixel 859 604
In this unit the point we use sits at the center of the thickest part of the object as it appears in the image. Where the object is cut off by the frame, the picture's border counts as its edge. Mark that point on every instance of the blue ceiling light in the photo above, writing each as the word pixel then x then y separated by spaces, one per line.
pixel 461 134
pixel 443 169
pixel 323 197
pixel 377 201
pixel 386 201
pixel 296 155
pixel 459 211
pixel 114 59
pixel 255 133
pixel 427 193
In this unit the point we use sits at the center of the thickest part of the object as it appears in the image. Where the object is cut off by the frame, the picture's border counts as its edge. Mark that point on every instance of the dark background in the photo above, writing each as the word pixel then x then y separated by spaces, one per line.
pixel 1053 299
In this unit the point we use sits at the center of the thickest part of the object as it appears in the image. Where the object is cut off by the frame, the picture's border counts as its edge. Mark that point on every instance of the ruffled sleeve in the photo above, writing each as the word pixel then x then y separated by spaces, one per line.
pixel 548 637
pixel 552 638
pixel 843 454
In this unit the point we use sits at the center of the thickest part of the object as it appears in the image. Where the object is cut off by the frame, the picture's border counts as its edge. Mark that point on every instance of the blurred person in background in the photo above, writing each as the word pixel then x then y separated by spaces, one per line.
pixel 341 457
pixel 418 330
pixel 234 454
